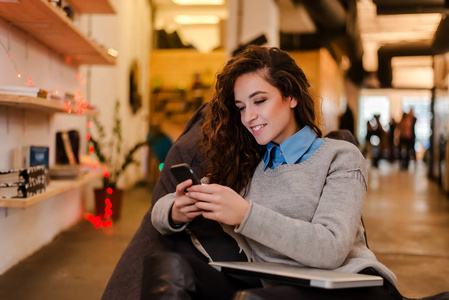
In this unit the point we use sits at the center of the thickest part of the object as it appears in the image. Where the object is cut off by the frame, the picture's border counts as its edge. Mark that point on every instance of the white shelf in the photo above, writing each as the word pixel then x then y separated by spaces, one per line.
pixel 42 104
pixel 55 187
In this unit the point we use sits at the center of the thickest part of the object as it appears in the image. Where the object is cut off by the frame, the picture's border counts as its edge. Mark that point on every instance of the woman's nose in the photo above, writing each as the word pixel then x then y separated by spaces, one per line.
pixel 250 115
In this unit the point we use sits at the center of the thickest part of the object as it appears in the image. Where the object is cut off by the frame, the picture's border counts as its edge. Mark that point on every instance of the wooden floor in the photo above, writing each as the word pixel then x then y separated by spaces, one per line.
pixel 407 222
pixel 406 216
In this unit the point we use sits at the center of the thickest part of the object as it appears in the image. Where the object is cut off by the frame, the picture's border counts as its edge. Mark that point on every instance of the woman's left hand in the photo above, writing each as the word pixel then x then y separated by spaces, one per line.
pixel 219 203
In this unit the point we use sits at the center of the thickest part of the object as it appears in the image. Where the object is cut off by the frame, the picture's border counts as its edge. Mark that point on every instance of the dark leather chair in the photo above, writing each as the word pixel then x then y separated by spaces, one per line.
pixel 126 280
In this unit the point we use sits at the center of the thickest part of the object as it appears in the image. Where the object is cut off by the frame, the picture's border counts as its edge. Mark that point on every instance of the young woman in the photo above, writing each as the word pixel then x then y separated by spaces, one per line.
pixel 283 192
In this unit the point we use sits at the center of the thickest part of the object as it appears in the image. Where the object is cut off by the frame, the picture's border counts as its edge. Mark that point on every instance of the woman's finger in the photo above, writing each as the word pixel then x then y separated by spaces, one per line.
pixel 180 188
pixel 193 215
pixel 199 196
pixel 189 209
pixel 205 206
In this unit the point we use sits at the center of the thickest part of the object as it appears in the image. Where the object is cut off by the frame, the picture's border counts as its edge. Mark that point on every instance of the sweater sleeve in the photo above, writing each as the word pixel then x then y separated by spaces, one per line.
pixel 160 215
pixel 326 240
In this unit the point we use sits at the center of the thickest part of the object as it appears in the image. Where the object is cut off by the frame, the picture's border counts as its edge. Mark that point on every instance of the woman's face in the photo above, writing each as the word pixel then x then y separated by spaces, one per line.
pixel 263 110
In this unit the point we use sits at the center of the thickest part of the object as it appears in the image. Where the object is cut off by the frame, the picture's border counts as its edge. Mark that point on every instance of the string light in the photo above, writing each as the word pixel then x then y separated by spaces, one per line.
pixel 11 59
pixel 102 220
pixel 29 82
pixel 80 106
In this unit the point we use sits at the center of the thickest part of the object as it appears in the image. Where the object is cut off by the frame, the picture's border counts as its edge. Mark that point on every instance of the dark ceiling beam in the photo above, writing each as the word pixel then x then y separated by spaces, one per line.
pixel 387 52
pixel 440 43
pixel 328 15
pixel 394 7
pixel 338 31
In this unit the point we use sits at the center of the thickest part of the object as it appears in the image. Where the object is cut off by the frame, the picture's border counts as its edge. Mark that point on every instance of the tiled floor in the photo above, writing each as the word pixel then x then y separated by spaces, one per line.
pixel 79 262
pixel 406 216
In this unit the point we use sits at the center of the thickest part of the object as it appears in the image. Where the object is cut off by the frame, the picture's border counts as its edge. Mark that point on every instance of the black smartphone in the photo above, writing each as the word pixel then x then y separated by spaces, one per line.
pixel 182 172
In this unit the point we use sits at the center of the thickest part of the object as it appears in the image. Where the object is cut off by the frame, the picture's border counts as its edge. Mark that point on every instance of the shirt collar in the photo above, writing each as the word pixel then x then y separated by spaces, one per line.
pixel 294 147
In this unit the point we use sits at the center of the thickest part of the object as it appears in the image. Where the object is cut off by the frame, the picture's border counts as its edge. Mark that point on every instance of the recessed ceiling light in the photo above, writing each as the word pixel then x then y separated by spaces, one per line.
pixel 198 19
pixel 199 2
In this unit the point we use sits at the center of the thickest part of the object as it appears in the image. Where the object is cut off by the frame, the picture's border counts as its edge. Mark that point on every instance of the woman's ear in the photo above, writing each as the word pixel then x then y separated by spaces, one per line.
pixel 293 102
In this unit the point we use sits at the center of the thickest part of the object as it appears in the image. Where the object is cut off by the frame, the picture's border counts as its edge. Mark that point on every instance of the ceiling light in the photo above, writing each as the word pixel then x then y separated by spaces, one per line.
pixel 199 19
pixel 199 2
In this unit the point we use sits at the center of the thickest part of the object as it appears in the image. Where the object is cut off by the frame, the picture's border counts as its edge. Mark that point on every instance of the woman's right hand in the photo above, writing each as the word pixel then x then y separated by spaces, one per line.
pixel 183 210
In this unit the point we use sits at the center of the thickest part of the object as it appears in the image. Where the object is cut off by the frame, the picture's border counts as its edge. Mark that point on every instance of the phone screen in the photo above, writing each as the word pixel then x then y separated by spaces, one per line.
pixel 182 172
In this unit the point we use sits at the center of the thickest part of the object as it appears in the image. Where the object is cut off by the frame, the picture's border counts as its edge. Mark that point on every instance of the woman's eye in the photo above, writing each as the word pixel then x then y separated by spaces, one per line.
pixel 241 108
pixel 260 101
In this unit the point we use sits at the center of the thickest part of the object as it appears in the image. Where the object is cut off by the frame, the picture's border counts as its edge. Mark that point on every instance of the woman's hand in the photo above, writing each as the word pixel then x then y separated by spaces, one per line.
pixel 184 210
pixel 219 203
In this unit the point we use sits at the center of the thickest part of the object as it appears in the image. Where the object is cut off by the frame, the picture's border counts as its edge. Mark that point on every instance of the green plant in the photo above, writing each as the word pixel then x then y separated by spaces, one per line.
pixel 109 153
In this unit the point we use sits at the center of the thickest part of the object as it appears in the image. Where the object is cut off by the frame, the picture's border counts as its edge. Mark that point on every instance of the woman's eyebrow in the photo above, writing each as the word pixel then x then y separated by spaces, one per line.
pixel 251 96
pixel 256 93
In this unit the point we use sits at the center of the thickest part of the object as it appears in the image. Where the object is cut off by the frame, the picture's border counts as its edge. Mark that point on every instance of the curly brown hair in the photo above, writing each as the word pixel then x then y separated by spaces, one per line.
pixel 231 151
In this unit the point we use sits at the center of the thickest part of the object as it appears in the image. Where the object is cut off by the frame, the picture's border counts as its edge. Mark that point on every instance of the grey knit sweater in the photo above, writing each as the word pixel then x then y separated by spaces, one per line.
pixel 306 214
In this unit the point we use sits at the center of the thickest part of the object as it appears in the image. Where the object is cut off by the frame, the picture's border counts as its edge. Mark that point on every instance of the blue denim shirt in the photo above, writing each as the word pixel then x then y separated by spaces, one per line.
pixel 293 150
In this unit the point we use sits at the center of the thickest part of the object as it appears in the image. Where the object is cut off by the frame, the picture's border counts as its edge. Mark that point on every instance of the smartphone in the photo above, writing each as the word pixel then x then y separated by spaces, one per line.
pixel 182 172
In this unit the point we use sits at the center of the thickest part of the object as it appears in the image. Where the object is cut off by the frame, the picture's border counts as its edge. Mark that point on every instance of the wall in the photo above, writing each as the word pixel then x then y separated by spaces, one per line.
pixel 129 32
pixel 326 81
pixel 174 68
pixel 250 20
pixel 24 231
pixel 441 117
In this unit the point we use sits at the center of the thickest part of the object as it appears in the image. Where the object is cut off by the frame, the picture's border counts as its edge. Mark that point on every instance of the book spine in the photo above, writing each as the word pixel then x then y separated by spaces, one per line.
pixel 31 181
pixel 68 148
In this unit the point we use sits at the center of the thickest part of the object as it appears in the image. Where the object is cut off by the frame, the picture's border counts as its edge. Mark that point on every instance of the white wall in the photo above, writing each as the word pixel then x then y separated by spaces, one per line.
pixel 24 231
pixel 257 17
pixel 129 32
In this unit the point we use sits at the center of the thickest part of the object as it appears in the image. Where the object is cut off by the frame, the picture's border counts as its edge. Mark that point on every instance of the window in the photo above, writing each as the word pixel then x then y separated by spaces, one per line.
pixel 368 107
pixel 421 110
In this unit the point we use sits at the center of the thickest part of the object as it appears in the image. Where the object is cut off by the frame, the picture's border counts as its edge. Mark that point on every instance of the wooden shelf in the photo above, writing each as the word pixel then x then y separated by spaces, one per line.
pixel 42 104
pixel 93 6
pixel 55 187
pixel 52 27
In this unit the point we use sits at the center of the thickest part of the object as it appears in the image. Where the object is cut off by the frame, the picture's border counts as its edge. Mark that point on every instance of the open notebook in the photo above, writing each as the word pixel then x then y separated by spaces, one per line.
pixel 312 277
